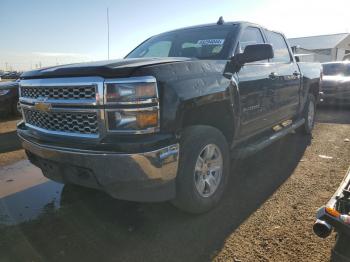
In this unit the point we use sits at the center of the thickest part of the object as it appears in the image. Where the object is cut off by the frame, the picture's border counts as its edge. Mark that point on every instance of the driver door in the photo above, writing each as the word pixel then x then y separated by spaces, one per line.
pixel 255 88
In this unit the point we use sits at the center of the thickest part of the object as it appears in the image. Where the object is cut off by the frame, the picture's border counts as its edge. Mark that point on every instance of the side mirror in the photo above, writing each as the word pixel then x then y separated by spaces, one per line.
pixel 254 53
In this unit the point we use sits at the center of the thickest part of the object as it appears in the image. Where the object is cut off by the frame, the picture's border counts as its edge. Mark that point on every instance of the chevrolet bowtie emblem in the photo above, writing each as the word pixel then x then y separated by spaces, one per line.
pixel 42 106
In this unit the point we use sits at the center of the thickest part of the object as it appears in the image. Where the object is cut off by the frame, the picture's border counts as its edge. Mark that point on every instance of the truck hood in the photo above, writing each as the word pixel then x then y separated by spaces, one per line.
pixel 108 69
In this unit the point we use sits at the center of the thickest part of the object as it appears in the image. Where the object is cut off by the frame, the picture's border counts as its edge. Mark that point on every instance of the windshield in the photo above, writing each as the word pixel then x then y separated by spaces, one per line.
pixel 202 43
pixel 336 69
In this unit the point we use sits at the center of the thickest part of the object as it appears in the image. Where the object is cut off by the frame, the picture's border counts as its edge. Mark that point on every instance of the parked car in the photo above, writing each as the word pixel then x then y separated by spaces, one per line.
pixel 11 75
pixel 336 83
pixel 9 98
pixel 336 215
pixel 163 123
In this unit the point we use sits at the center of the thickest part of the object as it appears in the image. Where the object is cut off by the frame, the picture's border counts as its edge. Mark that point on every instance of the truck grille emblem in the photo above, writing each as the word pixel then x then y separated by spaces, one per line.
pixel 40 106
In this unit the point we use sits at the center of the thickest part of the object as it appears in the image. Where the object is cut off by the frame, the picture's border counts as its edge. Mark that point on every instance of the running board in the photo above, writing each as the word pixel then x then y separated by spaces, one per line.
pixel 248 150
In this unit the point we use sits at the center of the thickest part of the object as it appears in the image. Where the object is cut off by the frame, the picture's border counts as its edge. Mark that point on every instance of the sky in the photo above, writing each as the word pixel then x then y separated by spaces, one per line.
pixel 40 33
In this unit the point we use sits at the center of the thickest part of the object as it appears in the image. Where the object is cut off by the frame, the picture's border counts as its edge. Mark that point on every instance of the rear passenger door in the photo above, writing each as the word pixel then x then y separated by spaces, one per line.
pixel 285 79
pixel 254 84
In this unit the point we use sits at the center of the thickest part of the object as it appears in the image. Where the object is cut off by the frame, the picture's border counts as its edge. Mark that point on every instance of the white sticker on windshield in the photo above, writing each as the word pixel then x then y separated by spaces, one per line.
pixel 211 42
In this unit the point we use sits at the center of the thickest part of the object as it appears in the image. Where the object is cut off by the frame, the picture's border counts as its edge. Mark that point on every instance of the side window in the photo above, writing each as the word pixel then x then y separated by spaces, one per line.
pixel 250 36
pixel 279 47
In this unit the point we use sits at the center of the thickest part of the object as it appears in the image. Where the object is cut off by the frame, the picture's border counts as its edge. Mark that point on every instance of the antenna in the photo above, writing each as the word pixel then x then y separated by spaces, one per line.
pixel 220 21
pixel 108 31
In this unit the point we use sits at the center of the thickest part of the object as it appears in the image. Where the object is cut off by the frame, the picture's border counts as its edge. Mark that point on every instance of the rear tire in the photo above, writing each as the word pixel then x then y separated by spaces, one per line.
pixel 203 169
pixel 309 115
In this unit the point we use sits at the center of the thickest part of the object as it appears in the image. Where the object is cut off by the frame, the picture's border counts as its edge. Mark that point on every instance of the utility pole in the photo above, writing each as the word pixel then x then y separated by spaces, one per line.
pixel 108 30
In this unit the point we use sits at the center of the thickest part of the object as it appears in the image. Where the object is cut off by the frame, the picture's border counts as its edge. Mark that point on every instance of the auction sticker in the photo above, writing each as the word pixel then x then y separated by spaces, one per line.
pixel 211 42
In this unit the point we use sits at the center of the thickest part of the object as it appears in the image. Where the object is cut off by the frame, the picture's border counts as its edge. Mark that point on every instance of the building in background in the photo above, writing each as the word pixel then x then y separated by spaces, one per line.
pixel 322 48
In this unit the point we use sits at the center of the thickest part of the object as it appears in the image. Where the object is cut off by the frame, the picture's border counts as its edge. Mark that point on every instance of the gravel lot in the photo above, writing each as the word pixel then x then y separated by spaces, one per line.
pixel 266 215
pixel 281 229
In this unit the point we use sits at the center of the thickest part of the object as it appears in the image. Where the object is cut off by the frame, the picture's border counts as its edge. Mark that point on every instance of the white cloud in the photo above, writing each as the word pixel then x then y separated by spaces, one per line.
pixel 302 18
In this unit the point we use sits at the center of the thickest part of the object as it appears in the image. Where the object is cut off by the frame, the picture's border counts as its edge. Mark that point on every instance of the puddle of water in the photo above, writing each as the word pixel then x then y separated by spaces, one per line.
pixel 19 177
pixel 30 203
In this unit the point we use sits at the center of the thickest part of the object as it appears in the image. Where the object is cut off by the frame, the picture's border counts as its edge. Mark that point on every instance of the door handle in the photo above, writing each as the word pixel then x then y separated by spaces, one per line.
pixel 296 74
pixel 273 75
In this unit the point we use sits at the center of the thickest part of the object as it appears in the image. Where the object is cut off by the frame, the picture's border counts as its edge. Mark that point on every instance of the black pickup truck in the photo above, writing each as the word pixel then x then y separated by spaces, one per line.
pixel 163 123
pixel 336 83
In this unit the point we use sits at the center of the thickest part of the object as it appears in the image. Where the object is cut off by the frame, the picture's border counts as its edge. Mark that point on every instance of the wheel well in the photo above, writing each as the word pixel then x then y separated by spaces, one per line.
pixel 218 115
pixel 315 89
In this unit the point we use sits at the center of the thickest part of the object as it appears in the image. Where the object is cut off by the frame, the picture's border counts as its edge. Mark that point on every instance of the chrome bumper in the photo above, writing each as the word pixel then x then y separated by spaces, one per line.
pixel 328 221
pixel 147 176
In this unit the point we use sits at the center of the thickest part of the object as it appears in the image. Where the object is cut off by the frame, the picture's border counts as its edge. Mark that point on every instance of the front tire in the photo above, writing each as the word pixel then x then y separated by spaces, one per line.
pixel 203 169
pixel 309 115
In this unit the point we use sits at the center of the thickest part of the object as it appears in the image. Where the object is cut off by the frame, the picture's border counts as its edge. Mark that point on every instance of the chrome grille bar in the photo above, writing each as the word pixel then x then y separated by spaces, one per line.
pixel 59 106
pixel 77 123
pixel 66 91
pixel 60 93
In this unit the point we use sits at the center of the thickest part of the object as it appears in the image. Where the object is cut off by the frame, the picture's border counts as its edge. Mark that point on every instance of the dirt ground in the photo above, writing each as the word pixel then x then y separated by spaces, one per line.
pixel 266 215
pixel 281 229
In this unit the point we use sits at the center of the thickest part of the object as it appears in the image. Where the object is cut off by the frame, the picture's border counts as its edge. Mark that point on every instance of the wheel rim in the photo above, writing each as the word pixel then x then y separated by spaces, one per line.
pixel 208 170
pixel 311 114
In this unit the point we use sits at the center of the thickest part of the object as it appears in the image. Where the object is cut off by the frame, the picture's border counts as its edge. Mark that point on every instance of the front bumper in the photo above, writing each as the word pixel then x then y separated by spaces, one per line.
pixel 145 176
pixel 341 251
pixel 335 96
pixel 336 223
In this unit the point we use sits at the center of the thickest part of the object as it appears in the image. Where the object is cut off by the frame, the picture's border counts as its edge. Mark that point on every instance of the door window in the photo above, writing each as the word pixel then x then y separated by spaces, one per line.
pixel 250 36
pixel 280 47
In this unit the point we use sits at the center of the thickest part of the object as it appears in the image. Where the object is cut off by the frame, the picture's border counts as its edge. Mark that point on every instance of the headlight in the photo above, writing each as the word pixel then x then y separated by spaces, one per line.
pixel 4 92
pixel 137 105
pixel 143 120
pixel 135 90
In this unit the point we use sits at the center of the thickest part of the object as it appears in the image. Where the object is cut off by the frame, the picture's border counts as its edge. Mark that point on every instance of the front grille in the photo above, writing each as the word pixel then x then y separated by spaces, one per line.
pixel 59 93
pixel 77 123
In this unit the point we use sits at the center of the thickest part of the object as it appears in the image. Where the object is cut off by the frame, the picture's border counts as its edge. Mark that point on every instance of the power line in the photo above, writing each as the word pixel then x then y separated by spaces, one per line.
pixel 108 30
